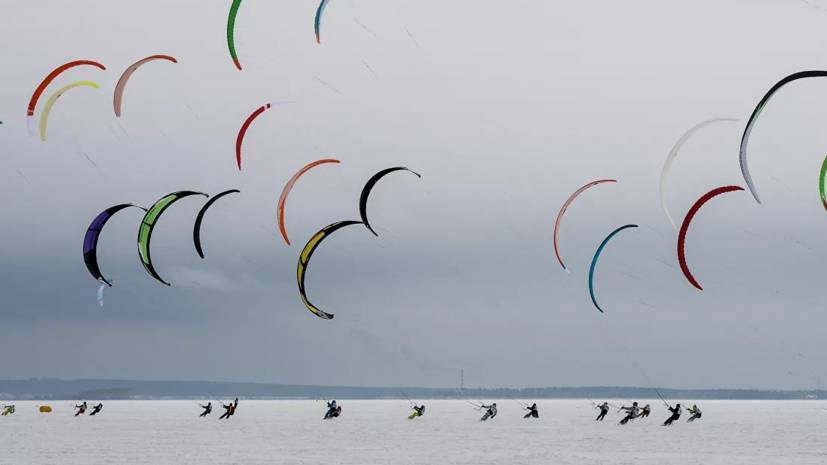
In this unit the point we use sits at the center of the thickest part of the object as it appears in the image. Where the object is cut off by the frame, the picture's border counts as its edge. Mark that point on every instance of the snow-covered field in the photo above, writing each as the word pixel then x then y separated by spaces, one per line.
pixel 378 432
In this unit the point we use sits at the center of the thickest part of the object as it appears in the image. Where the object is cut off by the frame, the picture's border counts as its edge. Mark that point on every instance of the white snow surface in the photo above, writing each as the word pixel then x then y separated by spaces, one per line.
pixel 378 432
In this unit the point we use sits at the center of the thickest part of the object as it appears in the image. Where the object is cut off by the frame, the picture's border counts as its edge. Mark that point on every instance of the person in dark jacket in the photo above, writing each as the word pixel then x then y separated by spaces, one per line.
pixel 676 413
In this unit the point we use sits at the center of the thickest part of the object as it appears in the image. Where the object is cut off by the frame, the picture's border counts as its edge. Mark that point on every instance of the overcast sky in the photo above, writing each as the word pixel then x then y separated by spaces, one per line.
pixel 505 107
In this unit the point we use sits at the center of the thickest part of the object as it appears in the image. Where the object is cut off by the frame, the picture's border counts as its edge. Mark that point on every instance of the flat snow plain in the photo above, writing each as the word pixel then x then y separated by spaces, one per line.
pixel 378 432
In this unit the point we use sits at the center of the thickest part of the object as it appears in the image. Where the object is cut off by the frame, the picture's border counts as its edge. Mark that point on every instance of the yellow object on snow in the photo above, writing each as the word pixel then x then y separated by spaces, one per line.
pixel 45 409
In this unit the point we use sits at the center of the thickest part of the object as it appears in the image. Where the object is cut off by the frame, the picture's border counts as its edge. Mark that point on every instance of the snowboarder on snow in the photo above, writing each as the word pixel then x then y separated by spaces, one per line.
pixel 533 412
pixel 96 409
pixel 207 409
pixel 331 410
pixel 631 413
pixel 695 411
pixel 418 411
pixel 490 412
pixel 604 409
pixel 81 409
pixel 229 410
pixel 676 413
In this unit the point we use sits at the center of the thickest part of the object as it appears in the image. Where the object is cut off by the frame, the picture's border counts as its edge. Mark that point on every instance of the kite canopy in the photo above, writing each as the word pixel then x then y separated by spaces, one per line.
pixel 597 256
pixel 304 263
pixel 667 165
pixel 47 108
pixel 243 131
pixel 363 199
pixel 121 86
pixel 821 177
pixel 289 186
pixel 90 240
pixel 751 122
pixel 148 226
pixel 196 229
pixel 100 294
pixel 231 32
pixel 317 22
pixel 685 228
pixel 565 208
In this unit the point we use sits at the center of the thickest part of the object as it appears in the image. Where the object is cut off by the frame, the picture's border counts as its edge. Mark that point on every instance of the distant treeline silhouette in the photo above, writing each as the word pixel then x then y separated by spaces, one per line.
pixel 42 388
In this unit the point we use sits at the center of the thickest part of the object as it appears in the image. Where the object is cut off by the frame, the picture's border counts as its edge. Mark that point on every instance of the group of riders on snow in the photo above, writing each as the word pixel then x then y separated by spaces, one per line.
pixel 229 409
pixel 636 411
pixel 334 410
pixel 81 408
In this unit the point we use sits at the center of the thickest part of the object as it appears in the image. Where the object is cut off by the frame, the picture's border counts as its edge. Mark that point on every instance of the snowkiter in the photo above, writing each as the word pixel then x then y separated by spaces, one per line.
pixel 96 409
pixel 631 413
pixel 331 409
pixel 696 413
pixel 490 411
pixel 604 409
pixel 418 411
pixel 228 411
pixel 676 413
pixel 533 412
pixel 81 409
pixel 207 409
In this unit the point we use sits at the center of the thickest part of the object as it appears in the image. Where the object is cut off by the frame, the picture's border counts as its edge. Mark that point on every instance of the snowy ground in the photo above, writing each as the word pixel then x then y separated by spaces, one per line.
pixel 377 432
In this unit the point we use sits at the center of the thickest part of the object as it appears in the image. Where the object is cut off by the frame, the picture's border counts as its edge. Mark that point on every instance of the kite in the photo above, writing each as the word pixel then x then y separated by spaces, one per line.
pixel 47 108
pixel 90 240
pixel 317 23
pixel 231 32
pixel 119 88
pixel 685 227
pixel 563 210
pixel 596 256
pixel 55 73
pixel 196 229
pixel 100 294
pixel 148 225
pixel 751 122
pixel 288 187
pixel 304 263
pixel 243 131
pixel 667 165
pixel 363 199
pixel 821 182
